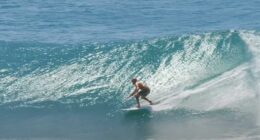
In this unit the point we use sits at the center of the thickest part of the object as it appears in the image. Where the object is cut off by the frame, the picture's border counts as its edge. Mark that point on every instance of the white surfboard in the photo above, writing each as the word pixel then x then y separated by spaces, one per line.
pixel 136 109
pixel 143 107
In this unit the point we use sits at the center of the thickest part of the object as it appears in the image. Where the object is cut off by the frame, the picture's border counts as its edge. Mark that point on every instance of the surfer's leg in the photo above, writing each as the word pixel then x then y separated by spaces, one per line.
pixel 143 94
pixel 137 100
pixel 143 97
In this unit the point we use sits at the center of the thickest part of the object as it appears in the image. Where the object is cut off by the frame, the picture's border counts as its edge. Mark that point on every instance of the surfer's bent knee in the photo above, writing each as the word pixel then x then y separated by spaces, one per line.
pixel 143 97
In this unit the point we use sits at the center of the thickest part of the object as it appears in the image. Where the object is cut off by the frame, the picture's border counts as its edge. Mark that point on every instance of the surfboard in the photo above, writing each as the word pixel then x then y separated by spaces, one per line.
pixel 136 109
pixel 144 107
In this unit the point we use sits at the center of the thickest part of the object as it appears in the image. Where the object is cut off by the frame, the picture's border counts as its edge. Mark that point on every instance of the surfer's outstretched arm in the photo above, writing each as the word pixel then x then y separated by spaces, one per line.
pixel 133 93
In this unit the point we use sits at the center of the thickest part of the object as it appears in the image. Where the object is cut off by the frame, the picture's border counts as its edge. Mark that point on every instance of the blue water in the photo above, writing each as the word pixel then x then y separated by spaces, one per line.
pixel 66 66
pixel 102 20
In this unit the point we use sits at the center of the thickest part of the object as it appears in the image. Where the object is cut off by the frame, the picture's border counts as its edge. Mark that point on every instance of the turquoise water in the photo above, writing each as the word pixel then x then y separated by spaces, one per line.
pixel 66 66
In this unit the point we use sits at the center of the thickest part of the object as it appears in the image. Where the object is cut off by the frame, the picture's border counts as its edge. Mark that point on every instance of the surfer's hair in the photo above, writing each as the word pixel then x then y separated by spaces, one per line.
pixel 134 80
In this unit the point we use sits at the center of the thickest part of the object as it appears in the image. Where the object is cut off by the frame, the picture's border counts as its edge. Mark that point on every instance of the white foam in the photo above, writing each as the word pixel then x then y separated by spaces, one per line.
pixel 226 91
pixel 231 89
pixel 252 39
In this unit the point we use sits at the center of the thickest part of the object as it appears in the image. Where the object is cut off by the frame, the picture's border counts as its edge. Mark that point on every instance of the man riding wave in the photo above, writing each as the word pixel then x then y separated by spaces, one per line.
pixel 140 90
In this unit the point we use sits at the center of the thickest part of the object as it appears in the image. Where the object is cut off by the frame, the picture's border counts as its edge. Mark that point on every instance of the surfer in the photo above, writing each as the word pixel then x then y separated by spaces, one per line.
pixel 140 91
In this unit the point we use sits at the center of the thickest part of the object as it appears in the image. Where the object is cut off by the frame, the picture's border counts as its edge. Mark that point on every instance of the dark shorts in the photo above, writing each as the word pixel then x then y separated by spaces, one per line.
pixel 144 92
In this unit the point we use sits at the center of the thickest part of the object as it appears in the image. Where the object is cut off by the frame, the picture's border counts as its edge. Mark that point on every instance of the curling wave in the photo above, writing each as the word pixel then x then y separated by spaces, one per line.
pixel 202 72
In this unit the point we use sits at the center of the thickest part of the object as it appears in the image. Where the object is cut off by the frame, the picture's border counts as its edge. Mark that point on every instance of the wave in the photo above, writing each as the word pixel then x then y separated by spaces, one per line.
pixel 206 71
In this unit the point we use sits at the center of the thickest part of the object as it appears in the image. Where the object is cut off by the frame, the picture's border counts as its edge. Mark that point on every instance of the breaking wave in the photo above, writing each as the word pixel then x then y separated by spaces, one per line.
pixel 207 71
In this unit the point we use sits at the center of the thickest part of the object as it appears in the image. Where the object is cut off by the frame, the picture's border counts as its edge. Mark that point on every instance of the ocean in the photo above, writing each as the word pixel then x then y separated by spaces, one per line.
pixel 66 68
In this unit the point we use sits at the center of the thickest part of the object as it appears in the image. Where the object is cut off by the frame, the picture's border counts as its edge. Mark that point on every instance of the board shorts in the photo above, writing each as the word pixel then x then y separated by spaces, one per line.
pixel 144 92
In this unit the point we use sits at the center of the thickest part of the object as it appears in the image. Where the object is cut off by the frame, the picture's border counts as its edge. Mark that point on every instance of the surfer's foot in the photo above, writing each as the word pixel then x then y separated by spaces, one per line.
pixel 151 103
pixel 138 106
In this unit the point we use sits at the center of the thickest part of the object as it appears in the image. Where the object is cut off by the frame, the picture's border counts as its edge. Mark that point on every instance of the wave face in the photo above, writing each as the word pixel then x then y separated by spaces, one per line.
pixel 203 72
